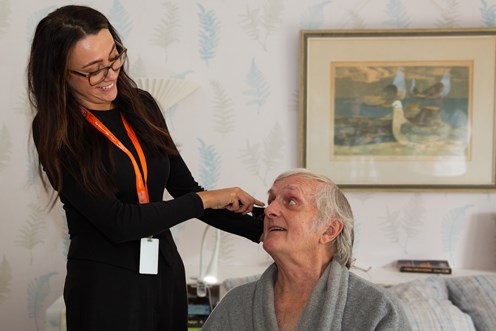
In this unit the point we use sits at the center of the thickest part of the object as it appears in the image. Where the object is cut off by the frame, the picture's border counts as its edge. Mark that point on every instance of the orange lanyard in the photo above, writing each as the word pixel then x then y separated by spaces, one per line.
pixel 141 187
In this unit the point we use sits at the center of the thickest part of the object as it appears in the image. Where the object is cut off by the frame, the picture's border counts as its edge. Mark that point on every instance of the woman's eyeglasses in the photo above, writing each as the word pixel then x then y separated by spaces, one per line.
pixel 98 76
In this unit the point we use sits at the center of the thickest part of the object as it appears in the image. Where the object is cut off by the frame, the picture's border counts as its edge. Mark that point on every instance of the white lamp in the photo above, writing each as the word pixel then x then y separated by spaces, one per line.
pixel 210 275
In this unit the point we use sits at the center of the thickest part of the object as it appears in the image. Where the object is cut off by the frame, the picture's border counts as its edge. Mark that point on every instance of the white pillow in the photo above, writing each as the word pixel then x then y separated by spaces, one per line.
pixel 475 295
pixel 427 306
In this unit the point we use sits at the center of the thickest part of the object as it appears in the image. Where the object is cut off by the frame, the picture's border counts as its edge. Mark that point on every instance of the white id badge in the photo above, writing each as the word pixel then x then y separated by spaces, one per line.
pixel 149 256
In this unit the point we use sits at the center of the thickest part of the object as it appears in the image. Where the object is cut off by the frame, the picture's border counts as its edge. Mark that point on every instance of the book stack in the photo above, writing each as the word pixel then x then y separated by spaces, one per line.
pixel 424 266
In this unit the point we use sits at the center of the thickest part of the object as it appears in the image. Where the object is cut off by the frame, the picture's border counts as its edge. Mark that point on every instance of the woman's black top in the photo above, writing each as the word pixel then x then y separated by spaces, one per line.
pixel 109 229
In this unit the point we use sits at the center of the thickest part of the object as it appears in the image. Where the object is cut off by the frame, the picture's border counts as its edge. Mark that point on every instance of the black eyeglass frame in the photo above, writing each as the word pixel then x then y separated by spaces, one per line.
pixel 107 68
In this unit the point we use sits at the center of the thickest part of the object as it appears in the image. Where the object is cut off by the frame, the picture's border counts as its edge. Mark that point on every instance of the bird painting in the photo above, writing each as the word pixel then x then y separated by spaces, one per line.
pixel 436 91
pixel 396 90
pixel 426 127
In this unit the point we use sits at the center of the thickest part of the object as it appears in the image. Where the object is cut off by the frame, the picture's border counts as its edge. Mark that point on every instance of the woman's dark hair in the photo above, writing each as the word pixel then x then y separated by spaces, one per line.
pixel 64 139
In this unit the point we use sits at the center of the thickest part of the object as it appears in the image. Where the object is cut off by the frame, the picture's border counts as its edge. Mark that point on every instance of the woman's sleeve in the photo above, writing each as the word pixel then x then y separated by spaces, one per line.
pixel 121 221
pixel 248 226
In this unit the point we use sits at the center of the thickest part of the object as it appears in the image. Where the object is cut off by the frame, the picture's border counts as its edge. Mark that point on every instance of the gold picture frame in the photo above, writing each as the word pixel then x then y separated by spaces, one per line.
pixel 399 109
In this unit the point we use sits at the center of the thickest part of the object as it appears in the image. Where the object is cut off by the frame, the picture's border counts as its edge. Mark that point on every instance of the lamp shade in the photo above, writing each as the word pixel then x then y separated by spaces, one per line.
pixel 209 275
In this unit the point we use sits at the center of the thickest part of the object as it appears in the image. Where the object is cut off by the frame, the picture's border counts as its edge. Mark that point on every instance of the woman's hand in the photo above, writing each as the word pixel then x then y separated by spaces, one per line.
pixel 233 199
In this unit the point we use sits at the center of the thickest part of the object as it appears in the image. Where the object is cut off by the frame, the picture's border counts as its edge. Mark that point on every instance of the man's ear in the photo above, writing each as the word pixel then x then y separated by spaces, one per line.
pixel 332 231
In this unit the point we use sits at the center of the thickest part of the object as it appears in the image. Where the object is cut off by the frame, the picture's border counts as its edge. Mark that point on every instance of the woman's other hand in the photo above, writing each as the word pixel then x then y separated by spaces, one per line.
pixel 233 199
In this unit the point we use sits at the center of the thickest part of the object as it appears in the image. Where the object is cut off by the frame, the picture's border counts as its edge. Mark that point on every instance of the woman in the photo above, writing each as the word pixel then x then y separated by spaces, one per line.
pixel 106 150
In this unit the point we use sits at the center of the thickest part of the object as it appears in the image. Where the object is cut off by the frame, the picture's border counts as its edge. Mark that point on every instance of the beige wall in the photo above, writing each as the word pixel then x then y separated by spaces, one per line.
pixel 460 227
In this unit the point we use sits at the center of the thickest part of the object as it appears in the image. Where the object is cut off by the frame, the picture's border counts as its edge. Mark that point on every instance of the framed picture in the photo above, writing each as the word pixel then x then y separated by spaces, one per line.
pixel 399 109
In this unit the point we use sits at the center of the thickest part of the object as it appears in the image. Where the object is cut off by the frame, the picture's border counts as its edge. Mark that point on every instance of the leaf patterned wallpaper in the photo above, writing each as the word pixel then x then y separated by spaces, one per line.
pixel 239 128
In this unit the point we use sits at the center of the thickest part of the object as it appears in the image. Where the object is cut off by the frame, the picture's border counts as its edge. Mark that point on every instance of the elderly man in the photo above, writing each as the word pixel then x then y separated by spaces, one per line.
pixel 308 231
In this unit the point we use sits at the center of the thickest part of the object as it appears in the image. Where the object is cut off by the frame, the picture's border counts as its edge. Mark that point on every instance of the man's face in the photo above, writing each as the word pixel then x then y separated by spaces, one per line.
pixel 289 217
